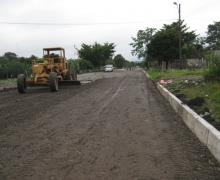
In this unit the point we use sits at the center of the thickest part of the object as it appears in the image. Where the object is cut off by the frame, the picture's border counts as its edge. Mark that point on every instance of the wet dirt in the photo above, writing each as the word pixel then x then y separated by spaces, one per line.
pixel 117 128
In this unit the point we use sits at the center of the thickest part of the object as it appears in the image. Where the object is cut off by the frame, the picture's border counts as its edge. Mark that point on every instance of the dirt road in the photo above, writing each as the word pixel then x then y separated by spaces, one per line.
pixel 116 128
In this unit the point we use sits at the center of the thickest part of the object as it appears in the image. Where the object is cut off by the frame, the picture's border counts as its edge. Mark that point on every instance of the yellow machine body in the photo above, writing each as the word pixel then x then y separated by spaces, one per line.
pixel 53 61
pixel 52 72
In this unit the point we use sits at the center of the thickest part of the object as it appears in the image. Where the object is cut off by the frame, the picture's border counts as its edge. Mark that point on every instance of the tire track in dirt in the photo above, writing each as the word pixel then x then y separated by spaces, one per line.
pixel 43 123
pixel 114 128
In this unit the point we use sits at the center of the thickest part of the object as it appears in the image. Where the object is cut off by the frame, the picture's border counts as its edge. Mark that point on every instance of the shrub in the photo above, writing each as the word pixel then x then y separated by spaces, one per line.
pixel 213 71
pixel 80 65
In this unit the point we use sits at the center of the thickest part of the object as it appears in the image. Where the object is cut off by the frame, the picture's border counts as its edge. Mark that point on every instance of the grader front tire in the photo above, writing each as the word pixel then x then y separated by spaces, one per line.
pixel 21 84
pixel 53 82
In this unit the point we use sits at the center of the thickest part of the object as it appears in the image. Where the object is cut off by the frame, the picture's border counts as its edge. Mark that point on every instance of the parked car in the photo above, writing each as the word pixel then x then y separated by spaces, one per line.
pixel 109 68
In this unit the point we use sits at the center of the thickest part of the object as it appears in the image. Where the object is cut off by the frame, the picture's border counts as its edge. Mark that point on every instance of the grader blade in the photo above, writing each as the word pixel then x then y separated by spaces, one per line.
pixel 69 82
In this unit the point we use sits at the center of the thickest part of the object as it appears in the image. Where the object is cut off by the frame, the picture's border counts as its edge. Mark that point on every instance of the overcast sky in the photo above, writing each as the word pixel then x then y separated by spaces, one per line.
pixel 73 22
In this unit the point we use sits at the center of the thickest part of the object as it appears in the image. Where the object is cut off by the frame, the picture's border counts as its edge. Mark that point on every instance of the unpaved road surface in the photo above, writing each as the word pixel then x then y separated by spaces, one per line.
pixel 116 128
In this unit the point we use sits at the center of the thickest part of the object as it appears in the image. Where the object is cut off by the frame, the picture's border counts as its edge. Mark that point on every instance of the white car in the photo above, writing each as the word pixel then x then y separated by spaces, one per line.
pixel 109 68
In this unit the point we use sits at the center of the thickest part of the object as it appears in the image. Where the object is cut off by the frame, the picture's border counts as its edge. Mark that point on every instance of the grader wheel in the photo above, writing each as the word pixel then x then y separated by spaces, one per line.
pixel 21 84
pixel 74 76
pixel 53 82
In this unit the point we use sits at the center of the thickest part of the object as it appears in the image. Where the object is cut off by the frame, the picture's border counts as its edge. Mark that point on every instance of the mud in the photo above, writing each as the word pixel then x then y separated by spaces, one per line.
pixel 118 127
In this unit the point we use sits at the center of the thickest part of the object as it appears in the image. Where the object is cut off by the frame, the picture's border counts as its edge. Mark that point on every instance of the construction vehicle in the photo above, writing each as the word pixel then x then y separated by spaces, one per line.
pixel 54 71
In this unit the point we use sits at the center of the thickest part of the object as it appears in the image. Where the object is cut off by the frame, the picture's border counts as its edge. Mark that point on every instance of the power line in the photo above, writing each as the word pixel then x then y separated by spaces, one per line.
pixel 64 24
pixel 73 24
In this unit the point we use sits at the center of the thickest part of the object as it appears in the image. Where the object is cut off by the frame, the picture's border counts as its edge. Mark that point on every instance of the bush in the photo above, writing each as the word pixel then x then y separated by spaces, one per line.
pixel 73 65
pixel 80 65
pixel 213 71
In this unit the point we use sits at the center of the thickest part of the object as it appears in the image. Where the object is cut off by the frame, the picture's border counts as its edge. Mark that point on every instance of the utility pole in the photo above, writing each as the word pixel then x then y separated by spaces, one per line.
pixel 180 33
pixel 75 52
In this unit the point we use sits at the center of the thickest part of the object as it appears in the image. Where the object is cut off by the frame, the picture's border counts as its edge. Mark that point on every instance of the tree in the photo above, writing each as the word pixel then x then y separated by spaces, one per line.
pixel 10 55
pixel 141 42
pixel 97 53
pixel 197 49
pixel 213 36
pixel 109 61
pixel 213 71
pixel 119 61
pixel 27 63
pixel 84 64
pixel 11 65
pixel 164 44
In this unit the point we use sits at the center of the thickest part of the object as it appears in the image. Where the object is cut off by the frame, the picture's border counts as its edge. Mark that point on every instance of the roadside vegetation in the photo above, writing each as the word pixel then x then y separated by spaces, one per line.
pixel 160 47
pixel 208 91
pixel 11 65
pixel 202 96
pixel 156 74
pixel 91 57
pixel 213 70
pixel 11 82
pixel 198 86
pixel 96 56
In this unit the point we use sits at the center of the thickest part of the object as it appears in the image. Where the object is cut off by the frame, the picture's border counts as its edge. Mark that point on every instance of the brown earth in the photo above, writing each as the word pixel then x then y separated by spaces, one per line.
pixel 117 128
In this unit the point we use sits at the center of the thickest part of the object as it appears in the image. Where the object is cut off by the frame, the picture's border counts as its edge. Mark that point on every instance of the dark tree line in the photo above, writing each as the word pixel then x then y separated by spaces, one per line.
pixel 98 55
pixel 91 57
pixel 161 45
pixel 213 36
pixel 11 65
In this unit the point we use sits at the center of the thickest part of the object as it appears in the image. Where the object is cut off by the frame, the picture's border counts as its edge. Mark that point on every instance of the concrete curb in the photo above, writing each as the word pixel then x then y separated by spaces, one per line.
pixel 148 76
pixel 205 132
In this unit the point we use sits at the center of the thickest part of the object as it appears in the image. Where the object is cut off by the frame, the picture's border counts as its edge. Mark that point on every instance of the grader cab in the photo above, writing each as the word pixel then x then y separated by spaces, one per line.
pixel 54 71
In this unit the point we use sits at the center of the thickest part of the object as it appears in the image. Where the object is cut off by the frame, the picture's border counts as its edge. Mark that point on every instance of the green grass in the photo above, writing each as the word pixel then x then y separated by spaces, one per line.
pixel 210 91
pixel 158 74
pixel 8 82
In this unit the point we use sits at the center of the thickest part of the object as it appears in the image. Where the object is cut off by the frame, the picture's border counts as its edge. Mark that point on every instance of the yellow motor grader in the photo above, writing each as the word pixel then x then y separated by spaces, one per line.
pixel 54 71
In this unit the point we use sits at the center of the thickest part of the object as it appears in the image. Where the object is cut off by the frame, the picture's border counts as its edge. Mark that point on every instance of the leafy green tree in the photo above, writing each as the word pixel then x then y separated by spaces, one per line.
pixel 7 61
pixel 97 53
pixel 197 49
pixel 84 64
pixel 109 61
pixel 14 69
pixel 119 61
pixel 164 44
pixel 213 36
pixel 128 64
pixel 74 65
pixel 4 67
pixel 141 42
pixel 10 56
pixel 11 65
pixel 213 71
pixel 26 64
